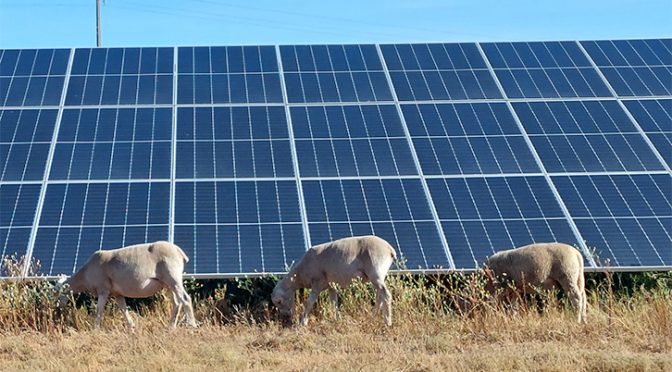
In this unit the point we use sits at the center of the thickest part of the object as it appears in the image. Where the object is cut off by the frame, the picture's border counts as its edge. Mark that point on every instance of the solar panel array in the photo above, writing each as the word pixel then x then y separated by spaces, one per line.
pixel 246 156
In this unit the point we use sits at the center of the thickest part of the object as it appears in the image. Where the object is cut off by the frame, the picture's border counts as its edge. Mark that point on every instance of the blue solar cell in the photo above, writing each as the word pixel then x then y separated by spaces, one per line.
pixel 228 75
pixel 335 73
pixel 640 81
pixel 596 152
pixel 240 202
pixel 467 138
pixel 471 119
pixel 232 59
pixel 573 117
pixel 31 91
pixel 657 52
pixel 212 143
pixel 336 87
pixel 653 115
pixel 582 136
pixel 27 125
pixel 343 58
pixel 483 215
pixel 625 217
pixel 634 67
pixel 120 90
pixel 121 76
pixel 257 223
pixel 229 88
pixel 444 85
pixel 17 204
pixel 128 143
pixel 554 54
pixel 231 249
pixel 616 195
pixel 122 61
pixel 439 72
pixel 14 242
pixel 25 136
pixel 365 200
pixel 544 70
pixel 23 161
pixel 655 118
pixel 351 141
pixel 463 56
pixel 474 155
pixel 103 204
pixel 552 83
pixel 32 62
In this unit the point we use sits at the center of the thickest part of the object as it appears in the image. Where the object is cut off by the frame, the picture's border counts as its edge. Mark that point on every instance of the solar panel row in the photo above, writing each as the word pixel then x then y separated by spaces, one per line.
pixel 244 156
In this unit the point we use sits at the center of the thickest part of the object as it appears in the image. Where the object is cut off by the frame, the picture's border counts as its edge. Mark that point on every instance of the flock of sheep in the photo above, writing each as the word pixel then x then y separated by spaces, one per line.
pixel 144 269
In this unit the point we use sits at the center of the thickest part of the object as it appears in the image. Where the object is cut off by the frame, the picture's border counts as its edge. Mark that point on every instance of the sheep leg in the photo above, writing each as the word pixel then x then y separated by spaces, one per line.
pixel 186 302
pixel 121 302
pixel 333 296
pixel 100 307
pixel 577 300
pixel 384 300
pixel 312 299
pixel 180 298
pixel 177 305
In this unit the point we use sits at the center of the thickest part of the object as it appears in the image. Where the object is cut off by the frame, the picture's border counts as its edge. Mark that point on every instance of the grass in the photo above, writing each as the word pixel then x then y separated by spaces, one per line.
pixel 630 331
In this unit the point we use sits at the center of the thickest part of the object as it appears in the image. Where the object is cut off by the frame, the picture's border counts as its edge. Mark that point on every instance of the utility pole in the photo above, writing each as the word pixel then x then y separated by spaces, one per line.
pixel 98 38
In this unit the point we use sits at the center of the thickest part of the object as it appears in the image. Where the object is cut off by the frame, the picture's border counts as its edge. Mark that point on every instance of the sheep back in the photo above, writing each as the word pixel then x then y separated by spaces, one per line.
pixel 535 264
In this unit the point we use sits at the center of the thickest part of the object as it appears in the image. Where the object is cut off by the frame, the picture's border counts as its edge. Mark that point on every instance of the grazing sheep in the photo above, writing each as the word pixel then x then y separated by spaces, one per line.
pixel 135 271
pixel 544 264
pixel 340 261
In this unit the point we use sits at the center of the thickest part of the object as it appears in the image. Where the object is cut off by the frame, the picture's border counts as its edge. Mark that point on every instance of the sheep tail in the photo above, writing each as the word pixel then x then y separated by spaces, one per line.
pixel 184 255
pixel 393 253
pixel 581 281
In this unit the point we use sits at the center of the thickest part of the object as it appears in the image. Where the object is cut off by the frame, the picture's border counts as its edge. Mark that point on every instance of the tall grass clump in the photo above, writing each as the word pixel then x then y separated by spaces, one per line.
pixel 26 305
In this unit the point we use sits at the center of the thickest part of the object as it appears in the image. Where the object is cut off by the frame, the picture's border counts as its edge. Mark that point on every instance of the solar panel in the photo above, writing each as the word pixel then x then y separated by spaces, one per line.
pixel 655 119
pixel 334 73
pixel 478 138
pixel 228 75
pixel 544 70
pixel 25 138
pixel 634 67
pixel 333 141
pixel 228 142
pixel 121 76
pixel 247 155
pixel 586 136
pixel 627 218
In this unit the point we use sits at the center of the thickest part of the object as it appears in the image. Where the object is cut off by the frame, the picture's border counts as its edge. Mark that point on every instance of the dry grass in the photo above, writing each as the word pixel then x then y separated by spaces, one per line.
pixel 623 333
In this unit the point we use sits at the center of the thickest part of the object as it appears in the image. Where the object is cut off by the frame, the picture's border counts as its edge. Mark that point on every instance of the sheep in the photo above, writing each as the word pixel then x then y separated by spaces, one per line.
pixel 338 262
pixel 135 271
pixel 543 264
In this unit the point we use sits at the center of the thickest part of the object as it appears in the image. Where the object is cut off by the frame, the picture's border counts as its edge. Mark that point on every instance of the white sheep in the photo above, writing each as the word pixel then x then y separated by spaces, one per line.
pixel 339 262
pixel 135 271
pixel 547 265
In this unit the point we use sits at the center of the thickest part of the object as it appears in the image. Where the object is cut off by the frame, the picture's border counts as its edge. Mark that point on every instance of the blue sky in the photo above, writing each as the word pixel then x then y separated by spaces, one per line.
pixel 71 23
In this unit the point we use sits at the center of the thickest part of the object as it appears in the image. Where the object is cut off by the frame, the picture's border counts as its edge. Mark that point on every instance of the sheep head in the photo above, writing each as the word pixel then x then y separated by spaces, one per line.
pixel 283 297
